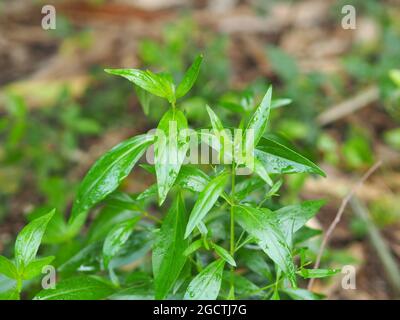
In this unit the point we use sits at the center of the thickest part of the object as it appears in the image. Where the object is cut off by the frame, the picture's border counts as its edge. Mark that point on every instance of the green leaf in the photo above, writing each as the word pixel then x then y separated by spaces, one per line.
pixel 150 192
pixel 304 234
pixel 29 239
pixel 194 246
pixel 116 238
pixel 256 263
pixel 169 247
pixel 189 178
pixel 293 217
pixel 275 295
pixel 157 84
pixel 144 98
pixel 262 172
pixel 170 150
pixel 86 256
pixel 10 295
pixel 105 176
pixel 190 77
pixel 247 186
pixel 225 255
pixel 277 103
pixel 259 121
pixel 215 120
pixel 110 215
pixel 138 292
pixel 279 158
pixel 394 75
pixel 232 106
pixel 35 267
pixel 8 268
pixel 206 285
pixel 225 140
pixel 77 288
pixel 243 287
pixel 274 189
pixel 138 245
pixel 317 273
pixel 192 178
pixel 266 230
pixel 206 201
pixel 302 294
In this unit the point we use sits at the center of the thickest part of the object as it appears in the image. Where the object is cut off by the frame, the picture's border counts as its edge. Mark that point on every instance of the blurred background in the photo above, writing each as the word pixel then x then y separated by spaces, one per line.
pixel 59 111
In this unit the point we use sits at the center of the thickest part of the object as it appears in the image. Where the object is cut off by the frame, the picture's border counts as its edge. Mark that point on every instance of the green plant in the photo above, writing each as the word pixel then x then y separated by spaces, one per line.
pixel 195 254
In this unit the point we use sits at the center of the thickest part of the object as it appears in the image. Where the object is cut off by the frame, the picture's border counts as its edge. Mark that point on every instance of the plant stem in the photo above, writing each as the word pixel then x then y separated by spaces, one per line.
pixel 149 216
pixel 232 235
pixel 19 285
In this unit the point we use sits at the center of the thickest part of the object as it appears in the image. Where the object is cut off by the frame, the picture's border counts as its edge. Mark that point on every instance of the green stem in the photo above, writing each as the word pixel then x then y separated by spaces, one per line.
pixel 19 284
pixel 232 235
pixel 149 216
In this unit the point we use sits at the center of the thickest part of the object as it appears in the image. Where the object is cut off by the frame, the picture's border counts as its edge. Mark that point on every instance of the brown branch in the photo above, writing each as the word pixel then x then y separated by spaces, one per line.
pixel 340 213
pixel 361 100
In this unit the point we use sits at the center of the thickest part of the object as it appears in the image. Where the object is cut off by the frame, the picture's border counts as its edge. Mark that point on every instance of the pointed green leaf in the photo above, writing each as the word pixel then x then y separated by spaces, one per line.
pixel 223 136
pixel 139 292
pixel 206 285
pixel 302 294
pixel 157 84
pixel 194 246
pixel 144 98
pixel 151 191
pixel 109 215
pixel 317 273
pixel 275 295
pixel 266 230
pixel 78 288
pixel 225 255
pixel 8 268
pixel 105 176
pixel 274 189
pixel 35 267
pixel 190 77
pixel 292 218
pixel 279 158
pixel 232 106
pixel 256 263
pixel 86 256
pixel 206 201
pixel 169 247
pixel 170 150
pixel 247 186
pixel 259 121
pixel 10 295
pixel 192 178
pixel 243 287
pixel 304 234
pixel 189 178
pixel 29 239
pixel 116 238
pixel 261 171
pixel 277 103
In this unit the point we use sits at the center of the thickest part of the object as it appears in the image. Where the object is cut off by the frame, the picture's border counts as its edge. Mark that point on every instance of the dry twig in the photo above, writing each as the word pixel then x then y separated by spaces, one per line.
pixel 349 106
pixel 340 213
